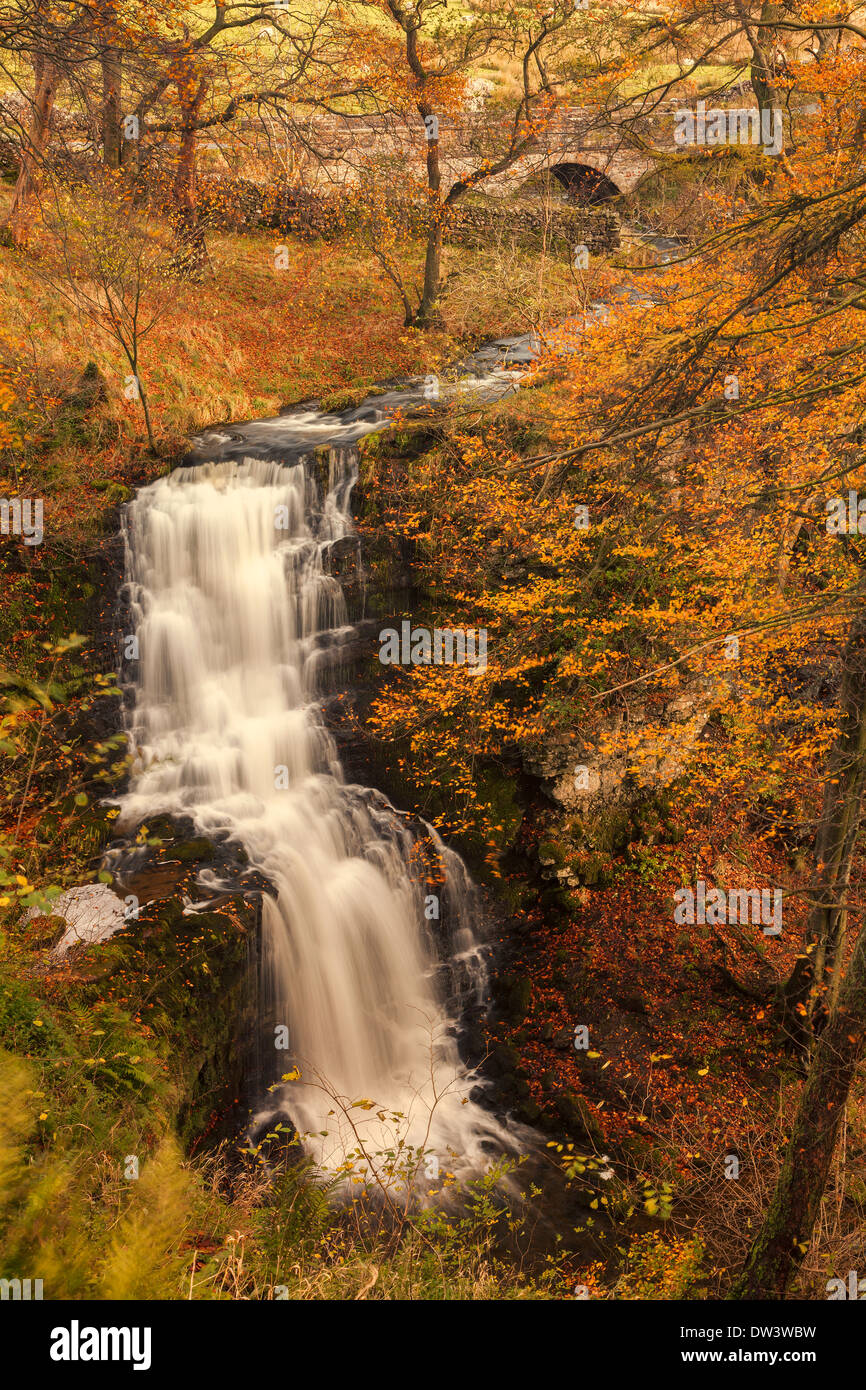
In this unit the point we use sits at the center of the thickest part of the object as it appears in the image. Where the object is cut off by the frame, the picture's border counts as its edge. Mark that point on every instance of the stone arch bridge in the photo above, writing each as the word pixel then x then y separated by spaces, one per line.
pixel 593 156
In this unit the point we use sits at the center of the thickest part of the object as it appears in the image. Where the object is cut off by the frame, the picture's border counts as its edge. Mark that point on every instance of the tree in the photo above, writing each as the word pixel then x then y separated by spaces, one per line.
pixel 59 43
pixel 787 1226
pixel 32 153
pixel 109 261
pixel 438 59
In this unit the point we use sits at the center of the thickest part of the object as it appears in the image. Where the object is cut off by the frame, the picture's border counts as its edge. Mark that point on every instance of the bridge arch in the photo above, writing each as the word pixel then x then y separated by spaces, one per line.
pixel 583 184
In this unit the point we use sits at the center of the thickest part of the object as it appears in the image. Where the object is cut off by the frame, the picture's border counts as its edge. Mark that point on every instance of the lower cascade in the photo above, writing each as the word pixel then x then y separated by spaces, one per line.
pixel 369 948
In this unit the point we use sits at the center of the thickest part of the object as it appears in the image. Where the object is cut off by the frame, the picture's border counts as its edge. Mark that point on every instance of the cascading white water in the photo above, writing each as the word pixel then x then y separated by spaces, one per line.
pixel 234 611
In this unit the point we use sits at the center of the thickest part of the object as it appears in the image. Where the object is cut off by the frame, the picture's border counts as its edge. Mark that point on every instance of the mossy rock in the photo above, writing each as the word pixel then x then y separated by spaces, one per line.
pixel 346 399
pixel 159 828
pixel 593 870
pixel 553 899
pixel 529 1111
pixel 193 850
pixel 552 852
pixel 514 994
pixel 503 1059
pixel 579 1119
pixel 608 831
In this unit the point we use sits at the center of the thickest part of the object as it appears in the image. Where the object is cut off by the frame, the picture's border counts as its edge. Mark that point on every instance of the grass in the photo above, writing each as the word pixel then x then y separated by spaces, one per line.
pixel 706 78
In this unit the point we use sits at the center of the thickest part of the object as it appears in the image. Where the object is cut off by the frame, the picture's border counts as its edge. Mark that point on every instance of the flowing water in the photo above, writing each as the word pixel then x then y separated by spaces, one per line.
pixel 369 949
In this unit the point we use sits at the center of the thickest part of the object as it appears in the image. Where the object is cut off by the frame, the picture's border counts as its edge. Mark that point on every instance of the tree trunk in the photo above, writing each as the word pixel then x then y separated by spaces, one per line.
pixel 22 215
pixel 145 406
pixel 814 981
pixel 112 73
pixel 190 254
pixel 787 1228
pixel 427 314
pixel 762 41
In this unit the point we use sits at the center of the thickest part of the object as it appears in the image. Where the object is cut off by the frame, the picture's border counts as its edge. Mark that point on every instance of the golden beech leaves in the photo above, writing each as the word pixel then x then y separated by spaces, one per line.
pixel 706 572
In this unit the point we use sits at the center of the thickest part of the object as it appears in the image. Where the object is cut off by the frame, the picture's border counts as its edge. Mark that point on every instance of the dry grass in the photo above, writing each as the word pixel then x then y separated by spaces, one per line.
pixel 726 1213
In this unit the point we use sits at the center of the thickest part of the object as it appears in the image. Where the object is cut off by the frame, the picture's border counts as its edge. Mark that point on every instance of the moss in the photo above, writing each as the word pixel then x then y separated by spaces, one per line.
pixel 515 995
pixel 346 399
pixel 497 791
pixel 579 1119
pixel 113 492
pixel 503 1060
pixel 191 850
pixel 593 870
pixel 552 852
pixel 529 1111
pixel 553 900
pixel 186 977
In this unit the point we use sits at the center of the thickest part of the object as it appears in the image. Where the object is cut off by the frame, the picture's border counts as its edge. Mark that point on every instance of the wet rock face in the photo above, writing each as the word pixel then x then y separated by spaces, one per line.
pixel 165 858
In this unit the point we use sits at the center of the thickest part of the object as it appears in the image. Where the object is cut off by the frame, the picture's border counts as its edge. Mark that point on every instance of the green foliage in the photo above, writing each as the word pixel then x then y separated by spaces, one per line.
pixel 657 1268
pixel 144 1258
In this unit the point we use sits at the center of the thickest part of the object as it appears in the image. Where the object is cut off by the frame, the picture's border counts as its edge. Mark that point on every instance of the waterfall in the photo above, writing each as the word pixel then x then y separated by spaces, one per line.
pixel 369 948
